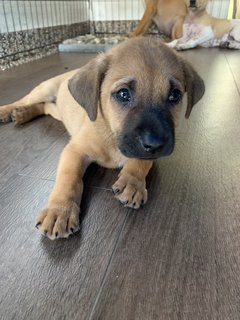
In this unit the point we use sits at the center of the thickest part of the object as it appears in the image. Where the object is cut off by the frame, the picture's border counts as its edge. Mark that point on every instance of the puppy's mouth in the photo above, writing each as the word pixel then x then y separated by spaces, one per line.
pixel 129 152
pixel 192 8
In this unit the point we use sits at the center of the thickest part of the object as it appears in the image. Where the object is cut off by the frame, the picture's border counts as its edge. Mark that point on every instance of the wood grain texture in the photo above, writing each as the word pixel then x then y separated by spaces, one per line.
pixel 22 146
pixel 176 258
pixel 39 278
pixel 18 81
pixel 179 257
pixel 43 279
pixel 232 58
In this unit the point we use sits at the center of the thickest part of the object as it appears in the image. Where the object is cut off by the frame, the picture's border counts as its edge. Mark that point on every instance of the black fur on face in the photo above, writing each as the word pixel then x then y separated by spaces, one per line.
pixel 148 134
pixel 192 4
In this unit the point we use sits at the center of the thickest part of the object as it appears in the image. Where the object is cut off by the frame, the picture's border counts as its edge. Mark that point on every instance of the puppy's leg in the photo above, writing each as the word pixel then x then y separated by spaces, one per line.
pixel 24 114
pixel 45 92
pixel 61 216
pixel 177 30
pixel 130 188
pixel 145 21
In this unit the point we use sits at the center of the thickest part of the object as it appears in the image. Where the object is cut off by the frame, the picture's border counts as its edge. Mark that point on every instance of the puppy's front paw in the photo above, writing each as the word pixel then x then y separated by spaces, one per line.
pixel 130 191
pixel 58 221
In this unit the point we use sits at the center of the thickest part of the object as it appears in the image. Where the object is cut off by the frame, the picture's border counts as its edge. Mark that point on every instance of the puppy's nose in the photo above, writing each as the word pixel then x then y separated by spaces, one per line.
pixel 192 3
pixel 151 141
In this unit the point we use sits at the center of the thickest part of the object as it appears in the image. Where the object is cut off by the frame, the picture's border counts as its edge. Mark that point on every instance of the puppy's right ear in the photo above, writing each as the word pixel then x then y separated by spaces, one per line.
pixel 85 85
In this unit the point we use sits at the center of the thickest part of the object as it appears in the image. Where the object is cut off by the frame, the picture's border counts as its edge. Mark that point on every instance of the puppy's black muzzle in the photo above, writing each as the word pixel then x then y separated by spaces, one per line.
pixel 149 135
pixel 192 4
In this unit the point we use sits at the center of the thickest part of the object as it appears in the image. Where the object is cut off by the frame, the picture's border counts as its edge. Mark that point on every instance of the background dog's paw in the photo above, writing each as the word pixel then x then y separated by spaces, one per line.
pixel 180 47
pixel 172 44
pixel 130 35
pixel 58 221
pixel 130 191
pixel 5 115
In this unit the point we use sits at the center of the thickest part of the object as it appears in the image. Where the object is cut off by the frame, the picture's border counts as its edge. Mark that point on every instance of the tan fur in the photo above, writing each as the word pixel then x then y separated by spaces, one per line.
pixel 168 15
pixel 201 17
pixel 97 140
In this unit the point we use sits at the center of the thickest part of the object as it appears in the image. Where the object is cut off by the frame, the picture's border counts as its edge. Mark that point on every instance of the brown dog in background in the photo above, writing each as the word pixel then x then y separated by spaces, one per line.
pixel 201 29
pixel 168 16
pixel 121 110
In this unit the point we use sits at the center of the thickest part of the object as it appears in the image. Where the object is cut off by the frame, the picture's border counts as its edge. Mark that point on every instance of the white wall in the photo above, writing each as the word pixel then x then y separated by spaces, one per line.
pixel 103 10
pixel 218 8
pixel 133 9
pixel 22 15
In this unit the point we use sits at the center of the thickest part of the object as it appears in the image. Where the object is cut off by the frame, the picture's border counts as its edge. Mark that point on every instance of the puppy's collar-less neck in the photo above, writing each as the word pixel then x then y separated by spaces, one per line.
pixel 196 13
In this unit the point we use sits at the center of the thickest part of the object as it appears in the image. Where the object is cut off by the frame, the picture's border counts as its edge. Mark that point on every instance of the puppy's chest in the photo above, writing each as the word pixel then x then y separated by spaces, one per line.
pixel 112 159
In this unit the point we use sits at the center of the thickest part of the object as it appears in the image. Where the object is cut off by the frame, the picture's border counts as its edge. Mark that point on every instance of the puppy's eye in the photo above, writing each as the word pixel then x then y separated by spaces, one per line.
pixel 123 95
pixel 175 95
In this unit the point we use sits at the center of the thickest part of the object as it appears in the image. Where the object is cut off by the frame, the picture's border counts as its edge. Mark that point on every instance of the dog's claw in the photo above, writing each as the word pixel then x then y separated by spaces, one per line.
pixel 115 191
pixel 37 224
pixel 132 191
pixel 60 221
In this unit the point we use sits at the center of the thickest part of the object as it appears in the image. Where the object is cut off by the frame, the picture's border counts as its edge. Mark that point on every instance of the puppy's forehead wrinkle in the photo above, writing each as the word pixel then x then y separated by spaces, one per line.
pixel 143 52
pixel 153 66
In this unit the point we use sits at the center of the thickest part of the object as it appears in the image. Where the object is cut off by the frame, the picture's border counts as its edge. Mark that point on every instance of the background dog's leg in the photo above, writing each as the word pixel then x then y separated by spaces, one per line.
pixel 177 30
pixel 173 43
pixel 234 45
pixel 61 216
pixel 145 21
pixel 130 188
pixel 206 35
pixel 235 32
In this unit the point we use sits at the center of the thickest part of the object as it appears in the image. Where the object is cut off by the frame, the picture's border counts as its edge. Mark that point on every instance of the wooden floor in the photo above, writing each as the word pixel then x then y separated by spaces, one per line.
pixel 176 258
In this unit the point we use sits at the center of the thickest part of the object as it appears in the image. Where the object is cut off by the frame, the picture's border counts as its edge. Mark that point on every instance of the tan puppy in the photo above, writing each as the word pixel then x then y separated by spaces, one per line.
pixel 201 29
pixel 168 15
pixel 120 110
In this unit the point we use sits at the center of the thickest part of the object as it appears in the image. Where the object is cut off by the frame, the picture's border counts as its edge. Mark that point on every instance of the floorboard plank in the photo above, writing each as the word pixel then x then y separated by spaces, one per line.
pixel 18 81
pixel 232 57
pixel 44 279
pixel 179 256
pixel 22 146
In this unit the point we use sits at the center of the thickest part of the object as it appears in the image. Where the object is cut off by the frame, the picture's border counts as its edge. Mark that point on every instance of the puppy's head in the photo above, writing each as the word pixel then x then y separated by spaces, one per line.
pixel 196 5
pixel 137 89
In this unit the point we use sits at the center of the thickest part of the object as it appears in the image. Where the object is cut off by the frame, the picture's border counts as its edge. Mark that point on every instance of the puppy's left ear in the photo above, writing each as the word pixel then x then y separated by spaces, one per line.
pixel 85 85
pixel 194 87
